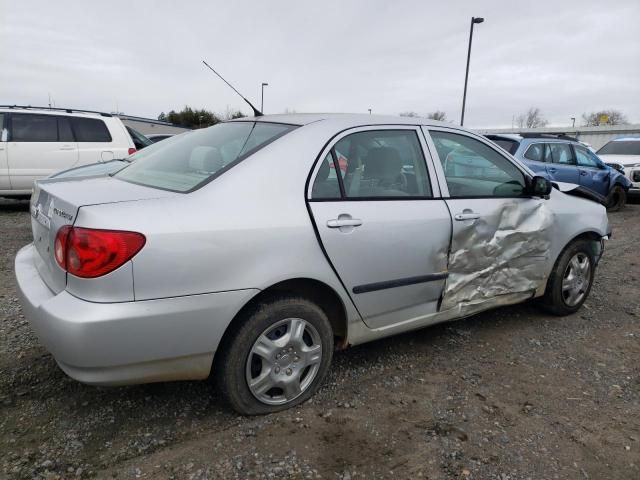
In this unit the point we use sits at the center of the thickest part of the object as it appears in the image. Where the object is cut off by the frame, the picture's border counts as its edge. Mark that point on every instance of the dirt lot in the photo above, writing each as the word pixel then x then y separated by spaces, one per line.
pixel 509 394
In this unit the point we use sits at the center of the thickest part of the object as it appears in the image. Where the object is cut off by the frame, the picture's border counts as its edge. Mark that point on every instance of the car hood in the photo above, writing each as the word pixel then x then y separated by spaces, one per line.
pixel 624 160
pixel 580 191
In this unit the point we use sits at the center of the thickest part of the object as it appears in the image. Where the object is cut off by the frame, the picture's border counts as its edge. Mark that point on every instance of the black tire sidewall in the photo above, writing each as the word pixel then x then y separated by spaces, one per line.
pixel 553 299
pixel 230 369
pixel 622 199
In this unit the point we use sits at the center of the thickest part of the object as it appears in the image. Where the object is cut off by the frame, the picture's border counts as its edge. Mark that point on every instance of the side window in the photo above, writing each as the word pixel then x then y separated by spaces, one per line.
pixel 64 130
pixel 535 152
pixel 559 153
pixel 90 130
pixel 27 127
pixel 585 158
pixel 374 164
pixel 473 169
pixel 326 184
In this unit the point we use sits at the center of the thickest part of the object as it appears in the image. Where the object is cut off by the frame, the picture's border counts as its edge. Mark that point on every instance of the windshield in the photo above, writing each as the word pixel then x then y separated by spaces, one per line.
pixel 630 147
pixel 186 162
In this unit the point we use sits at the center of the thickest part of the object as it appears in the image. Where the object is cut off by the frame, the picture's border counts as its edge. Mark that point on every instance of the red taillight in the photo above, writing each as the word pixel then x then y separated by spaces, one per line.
pixel 132 151
pixel 90 253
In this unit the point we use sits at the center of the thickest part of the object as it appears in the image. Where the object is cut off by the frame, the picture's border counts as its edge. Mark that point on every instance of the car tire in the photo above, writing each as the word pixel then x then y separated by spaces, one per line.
pixel 571 279
pixel 276 356
pixel 616 199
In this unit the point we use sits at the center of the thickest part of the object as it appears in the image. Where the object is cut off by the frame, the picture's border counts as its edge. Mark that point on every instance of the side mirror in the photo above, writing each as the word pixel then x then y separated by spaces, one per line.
pixel 540 186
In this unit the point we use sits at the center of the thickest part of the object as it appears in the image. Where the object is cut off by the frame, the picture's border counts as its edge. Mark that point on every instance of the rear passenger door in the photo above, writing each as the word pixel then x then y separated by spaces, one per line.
pixel 561 164
pixel 377 209
pixel 38 146
pixel 593 175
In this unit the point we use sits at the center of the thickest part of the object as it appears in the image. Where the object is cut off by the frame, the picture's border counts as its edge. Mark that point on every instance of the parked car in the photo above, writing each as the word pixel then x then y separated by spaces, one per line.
pixel 565 159
pixel 110 167
pixel 157 137
pixel 623 154
pixel 245 251
pixel 38 142
pixel 140 141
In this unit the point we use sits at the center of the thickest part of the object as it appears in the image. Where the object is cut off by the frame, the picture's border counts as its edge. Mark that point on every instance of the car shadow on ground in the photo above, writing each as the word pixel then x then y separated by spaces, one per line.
pixel 11 205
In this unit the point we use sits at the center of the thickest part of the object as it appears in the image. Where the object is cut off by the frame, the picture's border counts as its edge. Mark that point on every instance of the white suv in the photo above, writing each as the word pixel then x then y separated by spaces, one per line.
pixel 37 142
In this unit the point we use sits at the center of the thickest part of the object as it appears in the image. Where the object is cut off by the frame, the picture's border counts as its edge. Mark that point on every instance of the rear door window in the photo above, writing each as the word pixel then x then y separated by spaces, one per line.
pixel 374 164
pixel 90 130
pixel 26 127
pixel 535 152
pixel 190 160
pixel 559 153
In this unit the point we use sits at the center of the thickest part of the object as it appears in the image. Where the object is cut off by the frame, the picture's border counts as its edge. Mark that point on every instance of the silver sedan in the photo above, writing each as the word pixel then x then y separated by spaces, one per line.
pixel 252 249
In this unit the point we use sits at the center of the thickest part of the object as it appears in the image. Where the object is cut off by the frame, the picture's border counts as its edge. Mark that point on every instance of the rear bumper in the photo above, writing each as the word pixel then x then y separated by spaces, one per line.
pixel 127 342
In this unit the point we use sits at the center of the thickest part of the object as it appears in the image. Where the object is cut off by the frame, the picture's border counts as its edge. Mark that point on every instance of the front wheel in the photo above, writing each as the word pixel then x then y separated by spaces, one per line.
pixel 276 357
pixel 616 199
pixel 571 279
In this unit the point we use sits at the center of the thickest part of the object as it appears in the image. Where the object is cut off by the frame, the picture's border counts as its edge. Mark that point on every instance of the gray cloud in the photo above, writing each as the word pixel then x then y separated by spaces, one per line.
pixel 565 57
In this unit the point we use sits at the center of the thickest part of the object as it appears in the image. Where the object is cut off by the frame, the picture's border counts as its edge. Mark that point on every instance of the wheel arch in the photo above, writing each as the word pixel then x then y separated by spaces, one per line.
pixel 590 235
pixel 314 290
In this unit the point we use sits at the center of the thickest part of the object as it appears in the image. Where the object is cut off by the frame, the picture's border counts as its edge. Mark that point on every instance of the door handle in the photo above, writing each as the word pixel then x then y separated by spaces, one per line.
pixel 344 222
pixel 582 172
pixel 466 216
pixel 552 170
pixel 67 147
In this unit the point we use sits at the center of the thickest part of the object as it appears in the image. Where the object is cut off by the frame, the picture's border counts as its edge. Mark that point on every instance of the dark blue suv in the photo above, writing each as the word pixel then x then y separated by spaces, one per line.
pixel 565 159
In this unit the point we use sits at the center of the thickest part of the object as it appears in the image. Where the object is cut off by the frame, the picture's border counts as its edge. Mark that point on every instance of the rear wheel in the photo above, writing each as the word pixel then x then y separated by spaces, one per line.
pixel 571 279
pixel 616 199
pixel 276 357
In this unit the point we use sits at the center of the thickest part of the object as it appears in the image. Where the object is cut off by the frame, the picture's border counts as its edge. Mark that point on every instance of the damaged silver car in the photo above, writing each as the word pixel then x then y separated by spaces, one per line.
pixel 252 249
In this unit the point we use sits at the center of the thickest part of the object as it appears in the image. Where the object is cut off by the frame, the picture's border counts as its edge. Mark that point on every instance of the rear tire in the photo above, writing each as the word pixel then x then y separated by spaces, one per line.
pixel 276 356
pixel 616 199
pixel 571 279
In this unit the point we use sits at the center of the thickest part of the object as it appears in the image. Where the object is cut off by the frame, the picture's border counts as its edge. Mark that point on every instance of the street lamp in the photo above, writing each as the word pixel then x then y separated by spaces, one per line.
pixel 474 20
pixel 573 120
pixel 262 99
pixel 369 111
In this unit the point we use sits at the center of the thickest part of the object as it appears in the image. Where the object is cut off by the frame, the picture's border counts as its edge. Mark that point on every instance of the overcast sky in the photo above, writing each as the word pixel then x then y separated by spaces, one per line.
pixel 144 57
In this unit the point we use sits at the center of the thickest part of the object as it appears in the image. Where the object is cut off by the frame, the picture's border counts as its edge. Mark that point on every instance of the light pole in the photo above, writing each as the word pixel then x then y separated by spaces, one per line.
pixel 369 111
pixel 474 20
pixel 573 120
pixel 262 97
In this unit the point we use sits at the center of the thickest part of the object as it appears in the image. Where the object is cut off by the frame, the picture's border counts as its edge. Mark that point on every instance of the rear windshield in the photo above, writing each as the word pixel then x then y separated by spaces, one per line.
pixel 509 145
pixel 631 147
pixel 188 161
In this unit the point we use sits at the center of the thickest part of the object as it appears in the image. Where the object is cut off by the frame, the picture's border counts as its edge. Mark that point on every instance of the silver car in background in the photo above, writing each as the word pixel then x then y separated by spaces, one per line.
pixel 252 249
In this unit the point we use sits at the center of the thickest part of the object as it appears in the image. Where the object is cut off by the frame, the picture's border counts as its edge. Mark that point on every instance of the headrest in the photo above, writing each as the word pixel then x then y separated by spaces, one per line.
pixel 382 163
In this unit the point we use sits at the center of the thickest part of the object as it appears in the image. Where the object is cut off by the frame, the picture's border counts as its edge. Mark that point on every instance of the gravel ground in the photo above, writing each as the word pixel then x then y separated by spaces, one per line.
pixel 509 394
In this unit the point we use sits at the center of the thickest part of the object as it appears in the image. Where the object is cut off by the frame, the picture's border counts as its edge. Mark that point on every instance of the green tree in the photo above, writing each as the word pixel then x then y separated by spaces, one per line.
pixel 191 118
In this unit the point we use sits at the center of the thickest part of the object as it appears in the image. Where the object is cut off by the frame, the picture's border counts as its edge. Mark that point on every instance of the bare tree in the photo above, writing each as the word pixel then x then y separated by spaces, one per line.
pixel 438 115
pixel 532 119
pixel 610 117
pixel 409 114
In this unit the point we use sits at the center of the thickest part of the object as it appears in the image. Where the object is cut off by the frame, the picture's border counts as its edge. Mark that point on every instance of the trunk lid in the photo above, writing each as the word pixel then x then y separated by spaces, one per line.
pixel 55 203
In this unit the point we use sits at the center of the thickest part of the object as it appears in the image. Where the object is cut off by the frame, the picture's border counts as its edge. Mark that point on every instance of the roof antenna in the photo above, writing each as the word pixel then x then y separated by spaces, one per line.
pixel 256 112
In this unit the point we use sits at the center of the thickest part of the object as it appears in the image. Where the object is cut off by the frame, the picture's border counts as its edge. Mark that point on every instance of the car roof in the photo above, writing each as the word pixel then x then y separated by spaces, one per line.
pixel 53 111
pixel 354 119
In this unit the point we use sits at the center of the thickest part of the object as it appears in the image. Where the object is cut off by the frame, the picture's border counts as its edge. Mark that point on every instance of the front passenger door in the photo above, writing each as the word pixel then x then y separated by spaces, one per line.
pixel 501 235
pixel 593 175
